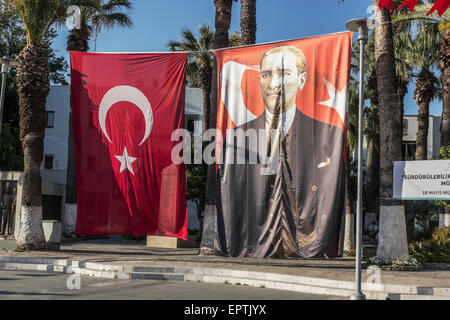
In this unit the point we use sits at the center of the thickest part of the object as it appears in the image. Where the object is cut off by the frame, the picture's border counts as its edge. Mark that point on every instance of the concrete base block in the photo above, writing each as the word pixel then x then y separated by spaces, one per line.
pixel 349 238
pixel 392 242
pixel 171 243
pixel 52 232
pixel 70 218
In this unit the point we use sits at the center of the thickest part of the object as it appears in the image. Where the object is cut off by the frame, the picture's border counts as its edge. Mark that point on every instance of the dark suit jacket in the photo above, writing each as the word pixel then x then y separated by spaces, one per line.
pixel 296 212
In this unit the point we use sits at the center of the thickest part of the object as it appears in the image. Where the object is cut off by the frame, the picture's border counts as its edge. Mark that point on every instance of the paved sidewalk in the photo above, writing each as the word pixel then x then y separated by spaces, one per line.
pixel 113 252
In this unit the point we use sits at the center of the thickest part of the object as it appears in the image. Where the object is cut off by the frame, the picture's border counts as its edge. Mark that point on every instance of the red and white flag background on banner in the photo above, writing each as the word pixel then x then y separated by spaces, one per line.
pixel 125 108
pixel 323 98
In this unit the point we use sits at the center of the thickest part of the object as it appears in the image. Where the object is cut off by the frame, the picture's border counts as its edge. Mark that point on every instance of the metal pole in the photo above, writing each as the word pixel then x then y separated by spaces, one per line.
pixel 5 70
pixel 359 25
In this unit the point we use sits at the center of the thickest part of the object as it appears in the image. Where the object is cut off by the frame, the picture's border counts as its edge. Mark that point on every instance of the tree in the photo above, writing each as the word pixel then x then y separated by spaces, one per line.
pixel 352 144
pixel 371 125
pixel 443 26
pixel 392 236
pixel 95 15
pixel 403 67
pixel 12 41
pixel 33 84
pixel 222 25
pixel 423 54
pixel 248 22
pixel 196 186
pixel 199 70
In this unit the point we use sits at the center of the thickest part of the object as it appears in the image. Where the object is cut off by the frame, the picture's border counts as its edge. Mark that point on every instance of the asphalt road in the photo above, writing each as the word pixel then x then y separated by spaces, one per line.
pixel 25 285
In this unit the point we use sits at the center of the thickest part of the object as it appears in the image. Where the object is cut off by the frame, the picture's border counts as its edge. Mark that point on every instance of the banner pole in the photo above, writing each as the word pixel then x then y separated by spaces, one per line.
pixel 359 25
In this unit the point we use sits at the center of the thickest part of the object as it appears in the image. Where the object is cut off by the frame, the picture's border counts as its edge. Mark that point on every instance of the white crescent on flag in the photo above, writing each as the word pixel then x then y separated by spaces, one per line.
pixel 231 92
pixel 129 94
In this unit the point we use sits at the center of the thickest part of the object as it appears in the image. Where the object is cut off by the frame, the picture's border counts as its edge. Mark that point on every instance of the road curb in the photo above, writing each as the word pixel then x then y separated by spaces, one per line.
pixel 225 276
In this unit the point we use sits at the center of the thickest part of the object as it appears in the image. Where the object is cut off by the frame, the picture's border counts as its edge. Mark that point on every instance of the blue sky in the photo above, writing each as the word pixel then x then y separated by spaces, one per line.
pixel 158 21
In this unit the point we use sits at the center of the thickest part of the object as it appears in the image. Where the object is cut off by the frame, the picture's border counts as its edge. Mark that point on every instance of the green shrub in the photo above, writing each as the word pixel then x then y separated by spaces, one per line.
pixel 436 250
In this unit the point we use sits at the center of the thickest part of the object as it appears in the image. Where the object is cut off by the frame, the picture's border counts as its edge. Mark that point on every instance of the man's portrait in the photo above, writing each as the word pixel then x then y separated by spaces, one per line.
pixel 290 202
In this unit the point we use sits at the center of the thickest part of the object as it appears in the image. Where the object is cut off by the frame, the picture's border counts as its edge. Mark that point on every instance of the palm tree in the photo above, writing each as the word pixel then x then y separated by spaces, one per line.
pixel 403 69
pixel 352 144
pixel 371 125
pixel 392 236
pixel 95 14
pixel 423 54
pixel 248 22
pixel 33 86
pixel 443 26
pixel 200 62
pixel 222 25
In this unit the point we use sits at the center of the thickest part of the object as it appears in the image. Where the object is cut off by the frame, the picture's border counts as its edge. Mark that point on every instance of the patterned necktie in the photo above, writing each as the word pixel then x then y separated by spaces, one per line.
pixel 274 135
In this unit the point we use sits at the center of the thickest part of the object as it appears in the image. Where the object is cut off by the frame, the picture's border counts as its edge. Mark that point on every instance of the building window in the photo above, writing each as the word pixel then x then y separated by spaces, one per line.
pixel 48 163
pixel 405 127
pixel 190 122
pixel 50 119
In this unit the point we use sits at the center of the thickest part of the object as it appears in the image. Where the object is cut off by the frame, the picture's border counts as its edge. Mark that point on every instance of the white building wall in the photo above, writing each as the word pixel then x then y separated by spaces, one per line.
pixel 55 142
pixel 437 121
pixel 193 106
pixel 194 102
pixel 434 135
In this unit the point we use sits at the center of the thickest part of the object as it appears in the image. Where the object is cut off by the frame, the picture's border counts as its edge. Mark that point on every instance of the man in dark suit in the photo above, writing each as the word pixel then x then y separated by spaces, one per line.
pixel 286 198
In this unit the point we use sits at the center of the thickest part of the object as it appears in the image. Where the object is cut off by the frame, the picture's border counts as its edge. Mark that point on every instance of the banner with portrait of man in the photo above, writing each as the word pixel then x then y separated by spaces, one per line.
pixel 282 110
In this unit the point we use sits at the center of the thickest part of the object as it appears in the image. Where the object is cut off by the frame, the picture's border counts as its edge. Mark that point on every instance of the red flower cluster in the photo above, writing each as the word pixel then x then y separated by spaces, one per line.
pixel 440 6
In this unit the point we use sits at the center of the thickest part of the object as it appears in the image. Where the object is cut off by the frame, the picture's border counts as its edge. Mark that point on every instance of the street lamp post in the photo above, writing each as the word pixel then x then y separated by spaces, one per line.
pixel 6 63
pixel 360 26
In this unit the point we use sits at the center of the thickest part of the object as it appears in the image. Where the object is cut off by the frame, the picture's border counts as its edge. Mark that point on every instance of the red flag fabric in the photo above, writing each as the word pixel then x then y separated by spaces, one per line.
pixel 386 3
pixel 410 3
pixel 125 108
pixel 441 6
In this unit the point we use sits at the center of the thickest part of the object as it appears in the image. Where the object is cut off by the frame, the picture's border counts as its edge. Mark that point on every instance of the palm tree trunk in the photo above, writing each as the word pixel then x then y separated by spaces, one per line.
pixel 200 209
pixel 444 57
pixel 204 75
pixel 423 95
pixel 78 40
pixel 422 134
pixel 248 22
pixel 372 186
pixel 445 68
pixel 402 91
pixel 349 238
pixel 33 87
pixel 222 22
pixel 222 25
pixel 206 107
pixel 392 234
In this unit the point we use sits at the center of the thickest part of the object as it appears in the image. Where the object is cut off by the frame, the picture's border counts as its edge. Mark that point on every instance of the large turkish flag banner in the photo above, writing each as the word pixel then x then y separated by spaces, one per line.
pixel 299 89
pixel 125 108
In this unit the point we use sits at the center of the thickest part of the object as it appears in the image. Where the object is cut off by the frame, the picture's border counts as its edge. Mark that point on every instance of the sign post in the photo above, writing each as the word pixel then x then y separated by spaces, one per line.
pixel 360 26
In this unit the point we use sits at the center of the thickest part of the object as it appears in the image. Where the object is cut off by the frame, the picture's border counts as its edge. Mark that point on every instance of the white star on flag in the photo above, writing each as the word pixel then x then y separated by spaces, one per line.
pixel 338 100
pixel 126 161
